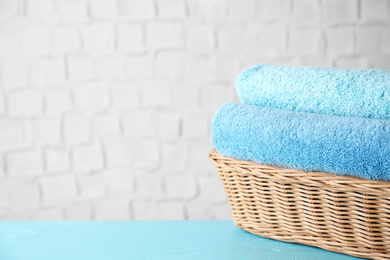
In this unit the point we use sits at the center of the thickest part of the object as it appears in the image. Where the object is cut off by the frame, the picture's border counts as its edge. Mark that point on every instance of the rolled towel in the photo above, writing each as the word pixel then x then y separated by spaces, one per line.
pixel 311 142
pixel 330 91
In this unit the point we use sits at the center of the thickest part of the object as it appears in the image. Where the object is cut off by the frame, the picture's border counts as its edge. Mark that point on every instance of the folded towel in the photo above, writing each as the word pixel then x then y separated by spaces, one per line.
pixel 361 93
pixel 311 142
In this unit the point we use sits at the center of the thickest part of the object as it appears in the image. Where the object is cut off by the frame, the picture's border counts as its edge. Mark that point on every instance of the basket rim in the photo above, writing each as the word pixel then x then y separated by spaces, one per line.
pixel 319 179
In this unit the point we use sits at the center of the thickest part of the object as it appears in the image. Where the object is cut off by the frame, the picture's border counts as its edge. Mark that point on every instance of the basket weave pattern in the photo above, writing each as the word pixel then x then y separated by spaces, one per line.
pixel 343 214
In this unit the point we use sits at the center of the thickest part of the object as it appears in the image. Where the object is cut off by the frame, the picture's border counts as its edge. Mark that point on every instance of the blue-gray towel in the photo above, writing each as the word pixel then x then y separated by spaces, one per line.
pixel 330 91
pixel 311 142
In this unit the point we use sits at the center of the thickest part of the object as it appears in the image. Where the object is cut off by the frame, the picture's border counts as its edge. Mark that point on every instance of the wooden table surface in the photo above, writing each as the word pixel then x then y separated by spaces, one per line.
pixel 145 240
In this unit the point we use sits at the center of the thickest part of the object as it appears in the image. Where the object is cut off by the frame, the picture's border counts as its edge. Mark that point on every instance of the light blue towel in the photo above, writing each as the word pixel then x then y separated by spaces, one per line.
pixel 361 93
pixel 311 142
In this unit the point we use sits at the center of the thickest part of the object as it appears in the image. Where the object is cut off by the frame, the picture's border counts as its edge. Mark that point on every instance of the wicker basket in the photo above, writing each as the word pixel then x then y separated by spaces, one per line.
pixel 347 215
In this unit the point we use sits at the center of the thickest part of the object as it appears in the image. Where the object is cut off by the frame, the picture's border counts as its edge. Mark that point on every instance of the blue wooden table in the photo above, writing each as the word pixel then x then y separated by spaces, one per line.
pixel 145 240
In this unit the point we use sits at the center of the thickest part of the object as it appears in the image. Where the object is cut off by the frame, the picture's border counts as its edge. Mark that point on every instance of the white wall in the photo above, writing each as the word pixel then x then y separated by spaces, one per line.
pixel 105 105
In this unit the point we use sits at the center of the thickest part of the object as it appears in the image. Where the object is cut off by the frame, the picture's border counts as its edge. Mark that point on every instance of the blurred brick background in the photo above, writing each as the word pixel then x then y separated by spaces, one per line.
pixel 105 105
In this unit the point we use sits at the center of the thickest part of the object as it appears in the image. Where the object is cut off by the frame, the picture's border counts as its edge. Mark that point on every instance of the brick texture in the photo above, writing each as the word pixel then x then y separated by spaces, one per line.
pixel 106 105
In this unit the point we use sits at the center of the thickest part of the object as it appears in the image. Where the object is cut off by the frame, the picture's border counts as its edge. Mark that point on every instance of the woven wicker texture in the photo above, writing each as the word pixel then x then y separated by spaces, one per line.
pixel 343 214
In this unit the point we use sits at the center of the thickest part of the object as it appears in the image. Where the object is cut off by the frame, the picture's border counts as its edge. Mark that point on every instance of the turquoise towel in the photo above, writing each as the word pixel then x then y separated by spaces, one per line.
pixel 311 142
pixel 361 93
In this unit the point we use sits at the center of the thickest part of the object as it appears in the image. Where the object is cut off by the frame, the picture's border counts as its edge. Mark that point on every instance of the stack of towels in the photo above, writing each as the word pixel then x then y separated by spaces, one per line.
pixel 311 119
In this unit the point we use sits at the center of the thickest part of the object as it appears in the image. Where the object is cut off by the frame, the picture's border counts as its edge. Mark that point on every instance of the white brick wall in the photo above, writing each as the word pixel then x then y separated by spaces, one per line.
pixel 130 38
pixel 87 158
pixel 76 129
pixel 24 162
pixel 72 12
pixel 200 38
pixel 105 105
pixel 57 160
pixel 48 72
pixel 25 103
pixel 91 186
pixel 82 94
pixel 78 212
pixel 58 189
